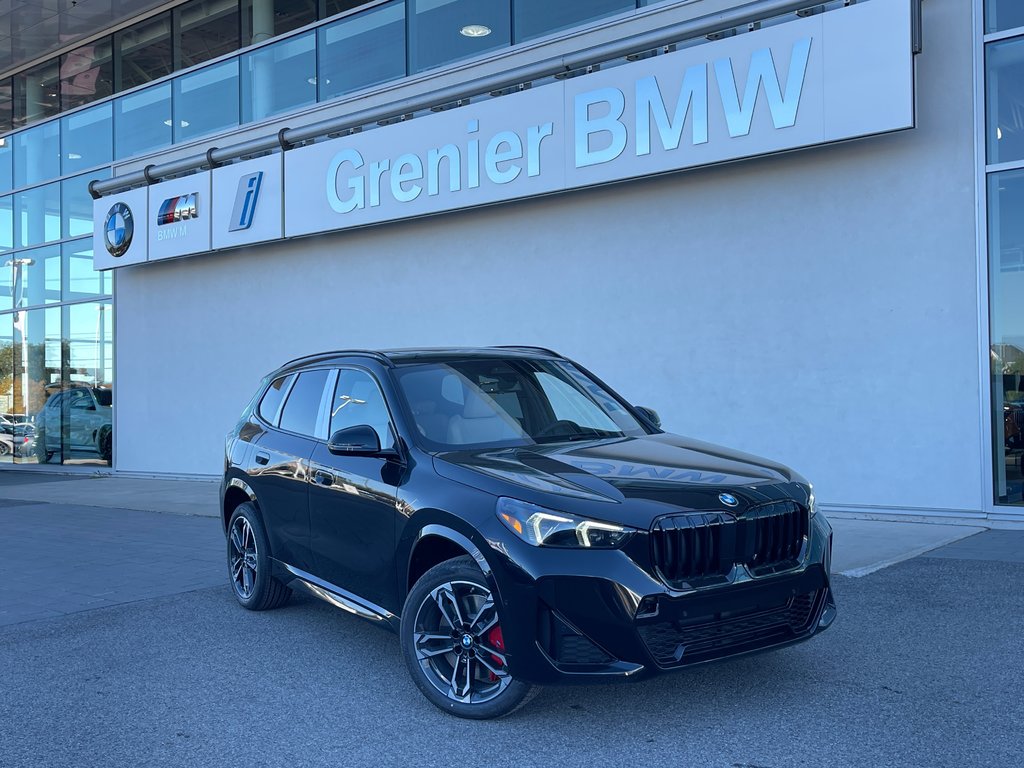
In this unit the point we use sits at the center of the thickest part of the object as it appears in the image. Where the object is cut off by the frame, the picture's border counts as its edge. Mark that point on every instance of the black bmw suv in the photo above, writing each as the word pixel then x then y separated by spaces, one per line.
pixel 515 521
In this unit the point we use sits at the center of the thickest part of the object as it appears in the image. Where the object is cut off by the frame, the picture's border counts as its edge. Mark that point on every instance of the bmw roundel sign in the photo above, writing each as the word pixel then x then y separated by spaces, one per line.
pixel 118 229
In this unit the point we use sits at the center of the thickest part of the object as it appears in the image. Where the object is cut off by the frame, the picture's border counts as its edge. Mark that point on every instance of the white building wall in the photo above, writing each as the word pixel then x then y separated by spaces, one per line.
pixel 818 307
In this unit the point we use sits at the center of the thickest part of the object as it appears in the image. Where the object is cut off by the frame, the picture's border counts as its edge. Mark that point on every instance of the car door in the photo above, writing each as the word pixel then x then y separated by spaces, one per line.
pixel 279 462
pixel 81 412
pixel 353 499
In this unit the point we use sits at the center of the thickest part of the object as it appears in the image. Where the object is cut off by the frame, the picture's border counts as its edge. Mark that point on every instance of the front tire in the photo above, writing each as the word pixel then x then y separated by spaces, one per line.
pixel 453 646
pixel 249 568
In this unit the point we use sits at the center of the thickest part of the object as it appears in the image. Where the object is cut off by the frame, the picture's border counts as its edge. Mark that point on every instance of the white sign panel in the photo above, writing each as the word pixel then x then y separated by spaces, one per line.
pixel 823 78
pixel 180 217
pixel 120 232
pixel 248 202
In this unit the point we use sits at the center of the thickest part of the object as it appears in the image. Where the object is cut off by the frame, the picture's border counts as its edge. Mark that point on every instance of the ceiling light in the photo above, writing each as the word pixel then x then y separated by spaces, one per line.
pixel 999 132
pixel 181 123
pixel 74 156
pixel 312 81
pixel 475 30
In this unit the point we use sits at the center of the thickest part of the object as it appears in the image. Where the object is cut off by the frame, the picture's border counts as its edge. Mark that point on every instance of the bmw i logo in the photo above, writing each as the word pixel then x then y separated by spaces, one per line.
pixel 118 229
pixel 728 499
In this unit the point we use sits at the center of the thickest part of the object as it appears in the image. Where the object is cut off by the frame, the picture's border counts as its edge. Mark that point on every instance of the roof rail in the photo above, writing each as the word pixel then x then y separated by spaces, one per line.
pixel 381 358
pixel 545 350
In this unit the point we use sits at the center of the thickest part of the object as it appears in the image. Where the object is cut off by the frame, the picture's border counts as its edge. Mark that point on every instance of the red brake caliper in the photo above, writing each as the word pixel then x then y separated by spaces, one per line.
pixel 497 642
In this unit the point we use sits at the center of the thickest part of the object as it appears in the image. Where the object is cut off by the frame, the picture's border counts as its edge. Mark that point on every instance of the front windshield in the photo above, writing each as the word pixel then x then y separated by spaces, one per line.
pixel 492 402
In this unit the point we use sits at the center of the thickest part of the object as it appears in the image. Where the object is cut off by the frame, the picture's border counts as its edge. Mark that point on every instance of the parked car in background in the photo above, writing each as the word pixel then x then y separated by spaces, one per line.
pixel 89 421
pixel 16 439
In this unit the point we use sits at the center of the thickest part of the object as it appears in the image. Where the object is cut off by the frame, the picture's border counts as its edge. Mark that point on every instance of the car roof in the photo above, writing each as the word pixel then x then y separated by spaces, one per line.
pixel 406 356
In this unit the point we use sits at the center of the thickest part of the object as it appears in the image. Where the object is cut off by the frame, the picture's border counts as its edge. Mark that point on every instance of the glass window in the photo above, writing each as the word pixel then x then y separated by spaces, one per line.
pixel 206 101
pixel 303 403
pixel 78 279
pixel 334 7
pixel 144 50
pixel 30 278
pixel 86 74
pixel 357 401
pixel 6 163
pixel 362 50
pixel 441 31
pixel 1003 14
pixel 142 121
pixel 76 204
pixel 279 78
pixel 6 222
pixel 1006 248
pixel 1005 83
pixel 6 105
pixel 87 138
pixel 271 402
pixel 36 93
pixel 209 28
pixel 37 215
pixel 7 388
pixel 38 371
pixel 535 18
pixel 269 18
pixel 37 154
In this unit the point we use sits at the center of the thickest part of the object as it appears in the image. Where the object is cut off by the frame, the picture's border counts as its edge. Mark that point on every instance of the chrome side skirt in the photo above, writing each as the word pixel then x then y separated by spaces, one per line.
pixel 339 597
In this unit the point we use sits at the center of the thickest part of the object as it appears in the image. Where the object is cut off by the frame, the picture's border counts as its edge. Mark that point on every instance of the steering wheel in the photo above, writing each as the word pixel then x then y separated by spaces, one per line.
pixel 562 426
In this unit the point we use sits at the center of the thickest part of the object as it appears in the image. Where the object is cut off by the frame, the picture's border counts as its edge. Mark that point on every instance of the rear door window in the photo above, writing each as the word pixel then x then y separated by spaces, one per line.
pixel 302 407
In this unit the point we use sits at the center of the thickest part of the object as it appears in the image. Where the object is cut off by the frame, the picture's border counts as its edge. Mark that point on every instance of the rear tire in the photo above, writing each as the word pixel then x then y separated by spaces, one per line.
pixel 453 646
pixel 249 568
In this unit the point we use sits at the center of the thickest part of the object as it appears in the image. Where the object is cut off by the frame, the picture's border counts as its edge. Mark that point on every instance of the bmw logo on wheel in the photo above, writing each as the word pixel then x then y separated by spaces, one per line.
pixel 728 499
pixel 118 229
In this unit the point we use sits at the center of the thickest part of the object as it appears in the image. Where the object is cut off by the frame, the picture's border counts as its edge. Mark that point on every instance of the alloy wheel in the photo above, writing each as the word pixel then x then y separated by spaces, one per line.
pixel 243 558
pixel 458 642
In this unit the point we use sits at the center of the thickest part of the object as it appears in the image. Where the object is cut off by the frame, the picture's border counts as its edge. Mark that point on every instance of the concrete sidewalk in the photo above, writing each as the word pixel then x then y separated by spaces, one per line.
pixel 861 546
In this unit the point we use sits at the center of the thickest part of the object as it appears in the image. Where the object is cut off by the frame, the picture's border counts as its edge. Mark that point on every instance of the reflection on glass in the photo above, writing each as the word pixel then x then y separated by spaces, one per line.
pixel 78 279
pixel 441 31
pixel 36 356
pixel 87 138
pixel 334 7
pixel 270 18
pixel 6 222
pixel 30 278
pixel 37 215
pixel 1006 248
pixel 362 50
pixel 209 28
pixel 142 121
pixel 145 51
pixel 87 424
pixel 10 444
pixel 206 101
pixel 37 154
pixel 535 18
pixel 76 204
pixel 86 74
pixel 279 78
pixel 1001 15
pixel 1004 79
pixel 36 93
pixel 6 106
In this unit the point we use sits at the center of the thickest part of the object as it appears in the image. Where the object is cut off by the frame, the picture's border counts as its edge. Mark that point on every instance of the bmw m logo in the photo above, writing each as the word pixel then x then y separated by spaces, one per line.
pixel 118 230
pixel 178 209
pixel 728 499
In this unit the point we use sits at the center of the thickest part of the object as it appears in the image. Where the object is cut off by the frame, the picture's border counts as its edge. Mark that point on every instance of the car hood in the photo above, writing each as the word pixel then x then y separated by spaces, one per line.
pixel 656 473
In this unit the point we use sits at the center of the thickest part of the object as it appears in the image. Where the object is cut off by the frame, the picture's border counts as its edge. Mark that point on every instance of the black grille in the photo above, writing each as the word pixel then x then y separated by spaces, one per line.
pixel 564 644
pixel 701 548
pixel 693 548
pixel 703 638
pixel 773 535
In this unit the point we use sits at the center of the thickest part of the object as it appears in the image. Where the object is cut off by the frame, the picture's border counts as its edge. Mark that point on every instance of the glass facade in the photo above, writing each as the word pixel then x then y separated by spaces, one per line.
pixel 56 312
pixel 1004 138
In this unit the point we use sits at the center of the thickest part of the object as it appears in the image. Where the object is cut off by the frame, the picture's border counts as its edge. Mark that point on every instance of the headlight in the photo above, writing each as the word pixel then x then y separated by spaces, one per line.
pixel 546 527
pixel 812 503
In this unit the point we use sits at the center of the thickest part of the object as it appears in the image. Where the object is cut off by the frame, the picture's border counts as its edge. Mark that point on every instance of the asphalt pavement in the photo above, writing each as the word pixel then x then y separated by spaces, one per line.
pixel 922 668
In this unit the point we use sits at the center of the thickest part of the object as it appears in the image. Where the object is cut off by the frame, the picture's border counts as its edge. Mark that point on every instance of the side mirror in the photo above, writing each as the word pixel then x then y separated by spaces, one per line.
pixel 650 414
pixel 360 440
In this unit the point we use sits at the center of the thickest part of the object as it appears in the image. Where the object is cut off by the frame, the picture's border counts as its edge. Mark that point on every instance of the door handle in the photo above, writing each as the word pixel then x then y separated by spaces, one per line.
pixel 323 478
pixel 262 458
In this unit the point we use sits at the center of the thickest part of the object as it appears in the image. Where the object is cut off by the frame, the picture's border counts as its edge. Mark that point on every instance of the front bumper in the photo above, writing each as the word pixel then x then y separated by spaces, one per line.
pixel 576 616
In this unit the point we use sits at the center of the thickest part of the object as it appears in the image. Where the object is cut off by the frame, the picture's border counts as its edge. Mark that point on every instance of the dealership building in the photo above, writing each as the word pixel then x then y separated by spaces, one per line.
pixel 794 229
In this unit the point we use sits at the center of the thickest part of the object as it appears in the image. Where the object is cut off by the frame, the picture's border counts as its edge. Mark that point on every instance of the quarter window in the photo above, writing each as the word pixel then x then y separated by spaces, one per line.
pixel 271 402
pixel 303 404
